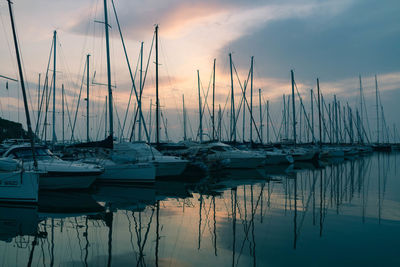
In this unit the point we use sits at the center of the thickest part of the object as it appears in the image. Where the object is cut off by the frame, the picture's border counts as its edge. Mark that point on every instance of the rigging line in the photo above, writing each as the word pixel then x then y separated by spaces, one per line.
pixel 242 96
pixel 129 101
pixel 68 113
pixel 116 112
pixel 164 55
pixel 44 86
pixel 130 70
pixel 323 119
pixel 272 123
pixel 205 99
pixel 142 87
pixel 77 107
pixel 245 100
pixel 47 106
pixel 304 110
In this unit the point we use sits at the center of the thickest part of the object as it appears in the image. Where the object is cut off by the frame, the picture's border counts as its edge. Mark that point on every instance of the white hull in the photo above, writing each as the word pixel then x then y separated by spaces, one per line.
pixel 303 155
pixel 276 159
pixel 331 153
pixel 244 163
pixel 19 187
pixel 128 173
pixel 164 169
pixel 65 182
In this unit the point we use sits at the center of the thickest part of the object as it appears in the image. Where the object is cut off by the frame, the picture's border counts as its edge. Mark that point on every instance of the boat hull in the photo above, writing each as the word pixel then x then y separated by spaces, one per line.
pixel 276 159
pixel 58 181
pixel 244 163
pixel 140 173
pixel 19 187
pixel 165 169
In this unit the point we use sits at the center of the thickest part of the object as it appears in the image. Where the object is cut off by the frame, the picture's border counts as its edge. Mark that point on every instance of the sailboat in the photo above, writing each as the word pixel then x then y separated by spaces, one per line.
pixel 118 165
pixel 16 184
pixel 166 166
pixel 55 173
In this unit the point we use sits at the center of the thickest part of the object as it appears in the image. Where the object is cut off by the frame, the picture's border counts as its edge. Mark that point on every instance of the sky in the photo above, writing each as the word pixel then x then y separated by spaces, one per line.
pixel 335 41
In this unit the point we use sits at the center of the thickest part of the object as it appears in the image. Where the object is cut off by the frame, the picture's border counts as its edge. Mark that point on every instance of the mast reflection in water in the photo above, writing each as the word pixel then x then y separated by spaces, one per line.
pixel 334 214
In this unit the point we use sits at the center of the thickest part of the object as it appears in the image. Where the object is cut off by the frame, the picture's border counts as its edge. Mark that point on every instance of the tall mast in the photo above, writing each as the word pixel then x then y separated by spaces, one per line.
pixel 200 105
pixel 377 110
pixel 140 93
pixel 110 98
pixel 157 100
pixel 219 122
pixel 184 117
pixel 251 101
pixel 336 120
pixel 244 113
pixel 361 101
pixel 312 113
pixel 284 116
pixel 260 107
pixel 105 120
pixel 38 96
pixel 54 88
pixel 213 104
pixel 268 123
pixel 62 112
pixel 87 98
pixel 150 111
pixel 293 109
pixel 232 124
pixel 21 78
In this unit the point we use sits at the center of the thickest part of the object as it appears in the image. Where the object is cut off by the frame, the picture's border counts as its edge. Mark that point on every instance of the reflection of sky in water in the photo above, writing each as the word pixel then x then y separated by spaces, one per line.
pixel 282 222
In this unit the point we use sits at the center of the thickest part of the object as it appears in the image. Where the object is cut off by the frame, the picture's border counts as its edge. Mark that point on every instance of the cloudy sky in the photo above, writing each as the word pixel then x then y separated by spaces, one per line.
pixel 335 40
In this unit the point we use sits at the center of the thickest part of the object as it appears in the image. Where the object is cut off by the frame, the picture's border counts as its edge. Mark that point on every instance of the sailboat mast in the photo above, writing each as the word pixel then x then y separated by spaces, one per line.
pixel 268 123
pixel 157 100
pixel 87 98
pixel 293 109
pixel 232 119
pixel 54 87
pixel 336 119
pixel 361 101
pixel 38 97
pixel 140 93
pixel 260 107
pixel 213 104
pixel 312 112
pixel 219 122
pixel 184 117
pixel 200 105
pixel 251 101
pixel 62 112
pixel 105 120
pixel 110 98
pixel 377 110
pixel 21 79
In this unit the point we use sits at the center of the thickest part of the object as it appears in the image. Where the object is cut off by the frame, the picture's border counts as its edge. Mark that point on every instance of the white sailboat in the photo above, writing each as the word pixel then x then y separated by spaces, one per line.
pixel 142 152
pixel 277 157
pixel 17 185
pixel 55 173
pixel 223 155
pixel 118 167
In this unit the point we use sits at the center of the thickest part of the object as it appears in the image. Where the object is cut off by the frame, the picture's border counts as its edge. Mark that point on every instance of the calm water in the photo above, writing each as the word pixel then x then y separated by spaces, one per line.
pixel 344 214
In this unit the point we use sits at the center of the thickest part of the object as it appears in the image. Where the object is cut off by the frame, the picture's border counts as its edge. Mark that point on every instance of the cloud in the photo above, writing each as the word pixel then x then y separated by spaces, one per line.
pixel 334 40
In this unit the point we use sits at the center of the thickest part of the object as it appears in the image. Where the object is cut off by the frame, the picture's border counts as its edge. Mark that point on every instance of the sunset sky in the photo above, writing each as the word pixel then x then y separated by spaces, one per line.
pixel 334 40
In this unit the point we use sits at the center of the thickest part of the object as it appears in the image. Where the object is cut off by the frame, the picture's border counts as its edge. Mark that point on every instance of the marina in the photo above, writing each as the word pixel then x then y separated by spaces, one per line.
pixel 118 163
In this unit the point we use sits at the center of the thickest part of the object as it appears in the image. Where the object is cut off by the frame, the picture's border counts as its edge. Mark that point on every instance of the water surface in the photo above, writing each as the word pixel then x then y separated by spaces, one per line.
pixel 340 213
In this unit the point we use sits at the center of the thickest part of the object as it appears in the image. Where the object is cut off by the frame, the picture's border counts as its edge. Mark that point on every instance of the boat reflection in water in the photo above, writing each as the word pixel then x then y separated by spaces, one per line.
pixel 335 213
